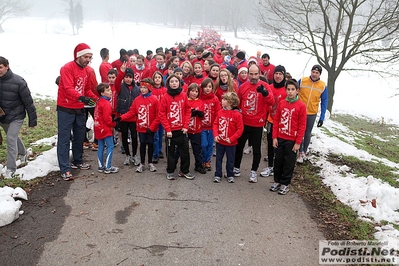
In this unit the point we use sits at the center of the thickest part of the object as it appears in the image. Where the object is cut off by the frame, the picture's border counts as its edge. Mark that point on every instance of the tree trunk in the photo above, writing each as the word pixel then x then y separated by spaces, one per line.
pixel 331 91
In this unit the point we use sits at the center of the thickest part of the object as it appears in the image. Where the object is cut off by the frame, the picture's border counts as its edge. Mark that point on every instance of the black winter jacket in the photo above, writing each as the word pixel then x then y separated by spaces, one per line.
pixel 16 100
pixel 126 97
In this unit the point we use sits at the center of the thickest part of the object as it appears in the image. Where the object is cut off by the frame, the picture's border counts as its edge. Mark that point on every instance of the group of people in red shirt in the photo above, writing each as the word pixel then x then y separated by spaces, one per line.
pixel 206 93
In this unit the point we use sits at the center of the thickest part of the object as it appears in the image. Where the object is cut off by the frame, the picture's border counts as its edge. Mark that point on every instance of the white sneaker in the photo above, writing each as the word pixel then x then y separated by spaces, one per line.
pixel 140 168
pixel 253 177
pixel 8 174
pixel 135 159
pixel 248 150
pixel 283 190
pixel 152 167
pixel 236 171
pixel 301 157
pixel 24 158
pixel 267 172
pixel 127 160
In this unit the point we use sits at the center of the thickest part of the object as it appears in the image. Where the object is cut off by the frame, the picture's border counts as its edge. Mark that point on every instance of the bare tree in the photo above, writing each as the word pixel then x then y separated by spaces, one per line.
pixel 12 8
pixel 335 32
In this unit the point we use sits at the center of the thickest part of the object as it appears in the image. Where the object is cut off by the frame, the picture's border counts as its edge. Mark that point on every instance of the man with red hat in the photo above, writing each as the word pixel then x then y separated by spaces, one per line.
pixel 74 93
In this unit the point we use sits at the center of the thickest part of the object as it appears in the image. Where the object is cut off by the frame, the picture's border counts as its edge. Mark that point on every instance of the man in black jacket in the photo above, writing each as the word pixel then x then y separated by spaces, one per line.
pixel 15 102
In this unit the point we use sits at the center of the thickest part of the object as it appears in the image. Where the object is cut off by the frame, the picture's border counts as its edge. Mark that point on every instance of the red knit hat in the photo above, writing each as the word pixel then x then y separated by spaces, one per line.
pixel 81 49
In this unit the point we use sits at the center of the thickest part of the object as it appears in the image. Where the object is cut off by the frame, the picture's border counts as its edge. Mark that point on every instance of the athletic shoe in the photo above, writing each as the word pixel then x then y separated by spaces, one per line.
pixel 135 159
pixel 207 166
pixel 248 150
pixel 170 176
pixel 94 147
pixel 101 169
pixel 82 166
pixel 161 155
pixel 24 158
pixel 155 160
pixel 253 178
pixel 127 160
pixel 140 168
pixel 152 167
pixel 187 175
pixel 267 171
pixel 123 150
pixel 301 157
pixel 200 170
pixel 276 186
pixel 283 190
pixel 9 174
pixel 111 170
pixel 86 145
pixel 230 179
pixel 217 179
pixel 67 176
pixel 236 171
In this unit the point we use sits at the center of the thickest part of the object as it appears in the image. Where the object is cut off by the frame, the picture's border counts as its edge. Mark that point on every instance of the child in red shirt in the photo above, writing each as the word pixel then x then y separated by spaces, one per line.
pixel 288 131
pixel 144 110
pixel 103 129
pixel 195 125
pixel 174 114
pixel 227 128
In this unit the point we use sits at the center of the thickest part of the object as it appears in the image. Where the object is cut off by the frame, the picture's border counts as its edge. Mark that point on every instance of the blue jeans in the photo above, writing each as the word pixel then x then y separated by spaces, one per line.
pixel 109 141
pixel 230 152
pixel 14 144
pixel 158 141
pixel 207 145
pixel 66 123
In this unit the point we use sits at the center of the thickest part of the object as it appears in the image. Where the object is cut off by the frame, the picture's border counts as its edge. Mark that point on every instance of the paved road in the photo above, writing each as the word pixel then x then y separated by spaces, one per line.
pixel 145 219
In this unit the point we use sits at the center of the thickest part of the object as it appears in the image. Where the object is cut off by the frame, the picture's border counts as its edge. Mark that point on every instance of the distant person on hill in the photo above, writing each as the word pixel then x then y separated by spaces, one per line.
pixel 312 92
pixel 15 102
pixel 74 93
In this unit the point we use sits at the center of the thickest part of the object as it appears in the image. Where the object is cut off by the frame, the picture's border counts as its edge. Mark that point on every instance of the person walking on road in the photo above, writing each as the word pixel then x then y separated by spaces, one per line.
pixel 15 102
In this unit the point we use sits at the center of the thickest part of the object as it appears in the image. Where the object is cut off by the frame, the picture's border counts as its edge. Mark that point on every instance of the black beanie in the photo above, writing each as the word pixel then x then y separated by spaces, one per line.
pixel 240 55
pixel 129 71
pixel 317 68
pixel 280 69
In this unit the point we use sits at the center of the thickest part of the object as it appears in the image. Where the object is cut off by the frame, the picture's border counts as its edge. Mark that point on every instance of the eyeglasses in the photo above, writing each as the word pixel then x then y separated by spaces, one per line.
pixel 223 75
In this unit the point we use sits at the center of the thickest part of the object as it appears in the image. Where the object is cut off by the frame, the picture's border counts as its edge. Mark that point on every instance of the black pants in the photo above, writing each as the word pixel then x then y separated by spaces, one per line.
pixel 284 162
pixel 270 148
pixel 254 136
pixel 180 141
pixel 125 127
pixel 146 139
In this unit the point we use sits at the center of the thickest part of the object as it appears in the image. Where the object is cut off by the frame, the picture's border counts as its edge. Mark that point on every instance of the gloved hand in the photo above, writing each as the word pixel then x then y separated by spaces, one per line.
pixel 200 113
pixel 148 131
pixel 262 90
pixel 320 123
pixel 87 100
pixel 193 112
pixel 118 126
pixel 117 119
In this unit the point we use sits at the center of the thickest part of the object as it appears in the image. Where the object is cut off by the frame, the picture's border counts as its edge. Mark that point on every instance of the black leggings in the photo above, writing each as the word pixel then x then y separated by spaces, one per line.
pixel 125 127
